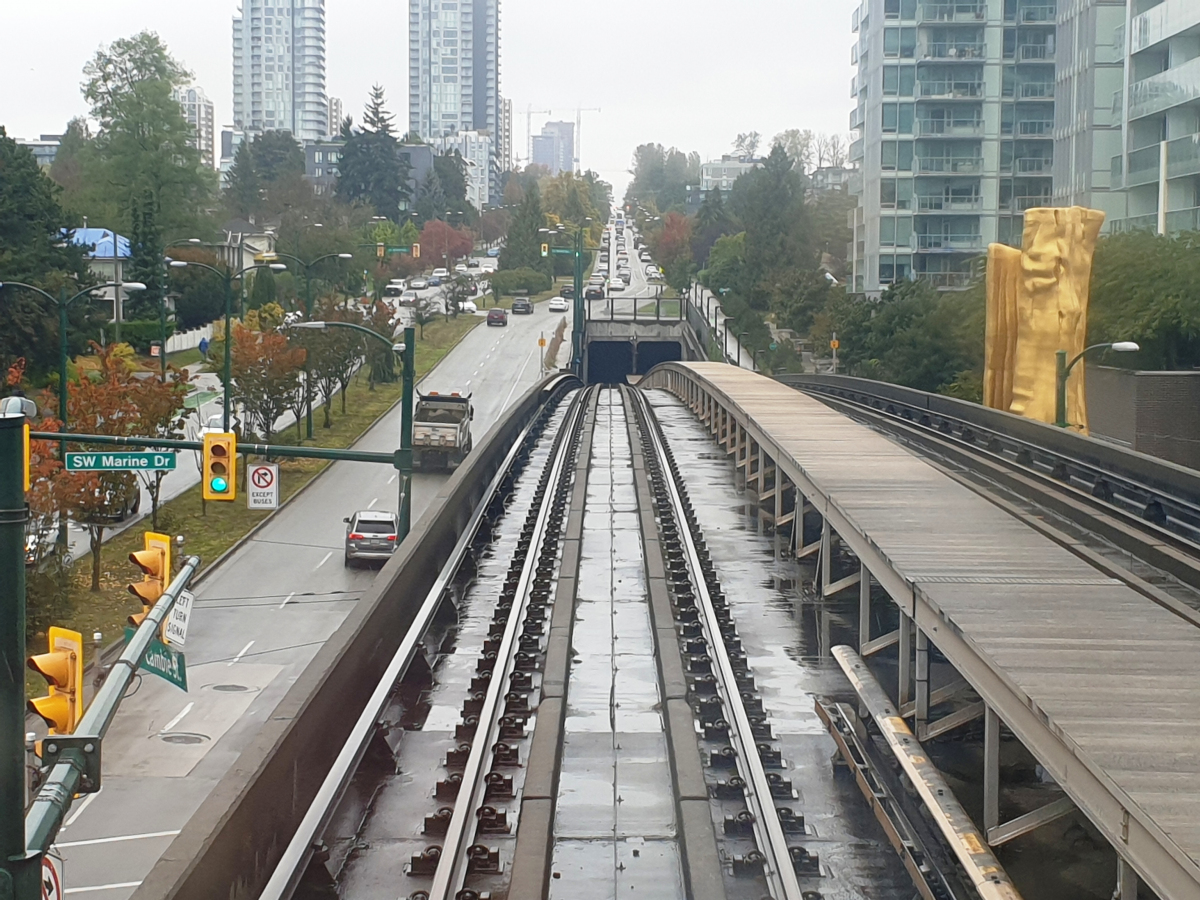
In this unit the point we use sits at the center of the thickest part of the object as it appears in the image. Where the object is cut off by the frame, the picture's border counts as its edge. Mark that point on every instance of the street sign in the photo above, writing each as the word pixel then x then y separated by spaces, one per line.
pixel 175 630
pixel 161 660
pixel 52 888
pixel 262 486
pixel 834 344
pixel 541 342
pixel 119 462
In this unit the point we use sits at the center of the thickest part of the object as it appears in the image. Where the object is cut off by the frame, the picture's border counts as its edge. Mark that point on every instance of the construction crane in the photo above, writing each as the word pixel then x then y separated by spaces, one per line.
pixel 529 114
pixel 579 111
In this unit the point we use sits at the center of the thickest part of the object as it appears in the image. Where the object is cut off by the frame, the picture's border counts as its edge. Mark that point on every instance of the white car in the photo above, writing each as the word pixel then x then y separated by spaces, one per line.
pixel 418 284
pixel 559 304
pixel 461 269
pixel 616 285
pixel 468 307
pixel 441 273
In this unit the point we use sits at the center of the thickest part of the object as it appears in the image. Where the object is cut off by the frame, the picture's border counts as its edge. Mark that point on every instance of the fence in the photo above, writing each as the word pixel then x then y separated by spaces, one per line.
pixel 189 340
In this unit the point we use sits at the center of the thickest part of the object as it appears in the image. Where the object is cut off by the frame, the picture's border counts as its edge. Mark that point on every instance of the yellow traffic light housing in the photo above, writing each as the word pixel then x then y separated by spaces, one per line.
pixel 62 667
pixel 416 251
pixel 155 563
pixel 220 466
pixel 545 249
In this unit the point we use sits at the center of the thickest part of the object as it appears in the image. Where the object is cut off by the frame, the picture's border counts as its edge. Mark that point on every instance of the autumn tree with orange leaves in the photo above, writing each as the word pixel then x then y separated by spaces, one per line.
pixel 266 372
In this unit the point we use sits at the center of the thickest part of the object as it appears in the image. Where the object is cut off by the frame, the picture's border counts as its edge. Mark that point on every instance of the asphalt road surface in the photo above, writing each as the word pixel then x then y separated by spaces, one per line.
pixel 258 621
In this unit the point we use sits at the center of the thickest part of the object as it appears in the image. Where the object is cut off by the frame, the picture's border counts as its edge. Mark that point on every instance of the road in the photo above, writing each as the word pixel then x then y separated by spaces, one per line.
pixel 258 620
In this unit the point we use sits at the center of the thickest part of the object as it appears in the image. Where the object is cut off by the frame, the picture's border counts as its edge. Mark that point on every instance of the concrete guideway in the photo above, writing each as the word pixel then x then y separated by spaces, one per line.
pixel 258 621
pixel 1095 680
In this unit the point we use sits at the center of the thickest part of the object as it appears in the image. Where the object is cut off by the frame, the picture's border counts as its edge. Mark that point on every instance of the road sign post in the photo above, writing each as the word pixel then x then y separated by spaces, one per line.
pixel 262 486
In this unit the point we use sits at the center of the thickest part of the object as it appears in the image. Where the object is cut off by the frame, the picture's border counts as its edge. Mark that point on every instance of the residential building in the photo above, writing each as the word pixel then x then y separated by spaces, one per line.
pixel 279 68
pixel 245 243
pixel 504 150
pixel 453 67
pixel 336 115
pixel 828 178
pixel 420 162
pixel 554 148
pixel 231 139
pixel 478 151
pixel 44 149
pixel 198 110
pixel 320 164
pixel 1087 125
pixel 107 254
pixel 1158 164
pixel 722 173
pixel 955 114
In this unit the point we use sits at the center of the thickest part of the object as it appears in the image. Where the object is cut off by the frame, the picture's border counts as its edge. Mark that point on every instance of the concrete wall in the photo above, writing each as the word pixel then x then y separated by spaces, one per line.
pixel 618 348
pixel 230 846
pixel 1157 413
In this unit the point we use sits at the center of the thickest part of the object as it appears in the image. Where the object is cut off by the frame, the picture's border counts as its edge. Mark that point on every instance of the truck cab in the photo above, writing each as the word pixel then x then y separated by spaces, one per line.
pixel 442 430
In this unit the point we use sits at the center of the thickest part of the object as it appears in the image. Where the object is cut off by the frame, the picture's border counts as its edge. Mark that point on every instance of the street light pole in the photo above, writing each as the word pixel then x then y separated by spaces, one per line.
pixel 1062 371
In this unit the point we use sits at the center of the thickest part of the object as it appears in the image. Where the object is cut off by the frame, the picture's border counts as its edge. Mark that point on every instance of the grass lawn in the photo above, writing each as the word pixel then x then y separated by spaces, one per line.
pixel 209 533
pixel 667 309
pixel 185 357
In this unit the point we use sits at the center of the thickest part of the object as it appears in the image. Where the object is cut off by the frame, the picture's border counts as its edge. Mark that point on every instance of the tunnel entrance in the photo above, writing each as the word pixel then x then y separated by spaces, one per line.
pixel 609 362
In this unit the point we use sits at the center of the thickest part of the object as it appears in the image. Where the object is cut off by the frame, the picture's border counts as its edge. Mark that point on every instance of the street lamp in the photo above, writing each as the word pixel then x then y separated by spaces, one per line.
pixel 63 303
pixel 406 408
pixel 1062 371
pixel 308 302
pixel 228 276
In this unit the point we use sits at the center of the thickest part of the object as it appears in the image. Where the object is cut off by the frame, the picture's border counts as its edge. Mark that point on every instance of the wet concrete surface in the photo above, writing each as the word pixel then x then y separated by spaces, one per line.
pixel 787 637
pixel 615 828
pixel 380 833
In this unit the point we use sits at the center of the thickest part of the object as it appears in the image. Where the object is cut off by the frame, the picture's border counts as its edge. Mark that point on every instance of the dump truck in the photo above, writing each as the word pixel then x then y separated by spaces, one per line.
pixel 441 430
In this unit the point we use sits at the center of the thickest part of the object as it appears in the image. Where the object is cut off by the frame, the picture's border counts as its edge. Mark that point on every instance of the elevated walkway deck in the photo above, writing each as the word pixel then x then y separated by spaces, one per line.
pixel 1100 683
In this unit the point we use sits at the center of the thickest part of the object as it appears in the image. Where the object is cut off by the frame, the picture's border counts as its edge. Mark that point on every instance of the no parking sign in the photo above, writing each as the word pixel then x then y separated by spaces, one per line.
pixel 262 486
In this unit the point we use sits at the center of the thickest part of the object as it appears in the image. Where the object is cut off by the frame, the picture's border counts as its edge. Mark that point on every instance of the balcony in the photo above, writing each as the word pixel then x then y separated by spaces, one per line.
pixel 946 280
pixel 950 243
pixel 1036 90
pixel 949 127
pixel 1143 166
pixel 1035 53
pixel 950 165
pixel 955 50
pixel 1183 220
pixel 1183 156
pixel 1033 15
pixel 1035 127
pixel 953 12
pixel 1160 22
pixel 1026 202
pixel 1148 222
pixel 952 90
pixel 856 118
pixel 1032 165
pixel 939 203
pixel 1166 90
pixel 856 150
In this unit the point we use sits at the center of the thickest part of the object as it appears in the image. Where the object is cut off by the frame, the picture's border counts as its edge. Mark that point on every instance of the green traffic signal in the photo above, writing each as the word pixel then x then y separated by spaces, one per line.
pixel 218 485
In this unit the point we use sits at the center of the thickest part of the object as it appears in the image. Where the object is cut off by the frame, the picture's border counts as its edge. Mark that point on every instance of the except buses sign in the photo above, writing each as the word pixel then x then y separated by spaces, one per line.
pixel 118 462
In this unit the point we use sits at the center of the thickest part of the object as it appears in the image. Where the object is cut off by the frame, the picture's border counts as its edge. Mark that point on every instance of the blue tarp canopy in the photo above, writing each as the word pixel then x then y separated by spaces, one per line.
pixel 101 242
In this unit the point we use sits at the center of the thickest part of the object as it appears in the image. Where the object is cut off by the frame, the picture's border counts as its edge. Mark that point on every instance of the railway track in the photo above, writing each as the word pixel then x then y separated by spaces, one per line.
pixel 491 804
pixel 1132 530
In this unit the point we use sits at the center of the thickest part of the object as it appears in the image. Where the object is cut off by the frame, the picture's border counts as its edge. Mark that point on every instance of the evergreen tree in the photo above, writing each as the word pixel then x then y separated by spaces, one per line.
pixel 376 117
pixel 712 222
pixel 523 249
pixel 262 289
pixel 145 260
pixel 277 155
pixel 431 199
pixel 243 188
pixel 371 170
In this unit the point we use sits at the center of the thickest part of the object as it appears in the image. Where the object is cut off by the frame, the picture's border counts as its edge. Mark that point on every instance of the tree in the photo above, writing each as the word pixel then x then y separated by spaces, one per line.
pixel 746 145
pixel 32 251
pixel 262 289
pixel 523 248
pixel 431 199
pixel 277 156
pixel 144 145
pixel 371 170
pixel 831 150
pixel 451 171
pixel 459 291
pixel 381 361
pixel 672 247
pixel 493 225
pixel 444 243
pixel 243 187
pixel 726 270
pixel 799 145
pixel 199 297
pixel 145 260
pixel 712 221
pixel 161 412
pixel 266 372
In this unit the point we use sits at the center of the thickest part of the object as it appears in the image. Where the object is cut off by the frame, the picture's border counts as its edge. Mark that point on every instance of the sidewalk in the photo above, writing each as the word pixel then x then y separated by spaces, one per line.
pixel 734 353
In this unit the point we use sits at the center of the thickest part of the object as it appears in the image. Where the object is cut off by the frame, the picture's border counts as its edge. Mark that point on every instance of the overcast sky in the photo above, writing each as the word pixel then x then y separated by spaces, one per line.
pixel 688 73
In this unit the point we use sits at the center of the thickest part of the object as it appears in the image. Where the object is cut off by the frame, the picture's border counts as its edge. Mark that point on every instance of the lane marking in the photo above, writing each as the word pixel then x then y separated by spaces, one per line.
pixel 393 478
pixel 325 560
pixel 287 600
pixel 520 373
pixel 121 837
pixel 102 887
pixel 82 806
pixel 241 654
pixel 371 505
pixel 179 718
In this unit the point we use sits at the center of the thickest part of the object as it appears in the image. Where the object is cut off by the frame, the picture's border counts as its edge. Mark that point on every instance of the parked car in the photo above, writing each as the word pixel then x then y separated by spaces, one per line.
pixel 418 284
pixel 559 304
pixel 522 306
pixel 493 252
pixel 497 316
pixel 371 534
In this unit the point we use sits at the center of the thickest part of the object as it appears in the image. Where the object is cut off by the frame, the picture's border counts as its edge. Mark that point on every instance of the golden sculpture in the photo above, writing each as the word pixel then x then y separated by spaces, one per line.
pixel 1037 303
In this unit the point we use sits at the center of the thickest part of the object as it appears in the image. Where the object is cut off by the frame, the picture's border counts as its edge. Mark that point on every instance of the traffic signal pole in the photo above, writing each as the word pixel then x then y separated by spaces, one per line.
pixel 405 456
pixel 17 878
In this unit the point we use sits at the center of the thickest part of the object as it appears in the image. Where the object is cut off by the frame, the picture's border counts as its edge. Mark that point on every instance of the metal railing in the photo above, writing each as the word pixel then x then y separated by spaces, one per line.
pixel 952 90
pixel 955 165
pixel 1035 53
pixel 1043 13
pixel 940 203
pixel 949 127
pixel 949 242
pixel 1035 127
pixel 955 50
pixel 953 12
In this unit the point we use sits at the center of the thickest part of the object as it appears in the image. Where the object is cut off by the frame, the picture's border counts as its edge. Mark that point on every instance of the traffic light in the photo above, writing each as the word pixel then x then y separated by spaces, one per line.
pixel 416 251
pixel 380 251
pixel 220 466
pixel 545 249
pixel 62 667
pixel 155 563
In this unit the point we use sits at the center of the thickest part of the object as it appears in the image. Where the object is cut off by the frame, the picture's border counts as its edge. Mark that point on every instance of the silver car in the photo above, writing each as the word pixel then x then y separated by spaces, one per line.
pixel 371 534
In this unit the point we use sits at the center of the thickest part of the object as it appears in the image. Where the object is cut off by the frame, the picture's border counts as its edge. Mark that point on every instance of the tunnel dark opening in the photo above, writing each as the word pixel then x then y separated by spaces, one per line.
pixel 609 362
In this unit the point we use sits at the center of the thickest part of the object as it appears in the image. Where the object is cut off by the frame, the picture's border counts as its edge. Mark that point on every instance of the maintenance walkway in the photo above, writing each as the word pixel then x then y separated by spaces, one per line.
pixel 1098 682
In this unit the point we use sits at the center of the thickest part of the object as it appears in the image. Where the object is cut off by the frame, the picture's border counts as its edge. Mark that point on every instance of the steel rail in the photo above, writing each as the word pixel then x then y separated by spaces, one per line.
pixel 452 863
pixel 291 865
pixel 772 842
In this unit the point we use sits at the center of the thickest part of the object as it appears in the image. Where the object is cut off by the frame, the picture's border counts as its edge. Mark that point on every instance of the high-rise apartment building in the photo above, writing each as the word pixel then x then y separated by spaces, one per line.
pixel 478 151
pixel 336 114
pixel 554 148
pixel 279 68
pixel 198 110
pixel 453 67
pixel 504 150
pixel 1157 163
pixel 955 116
